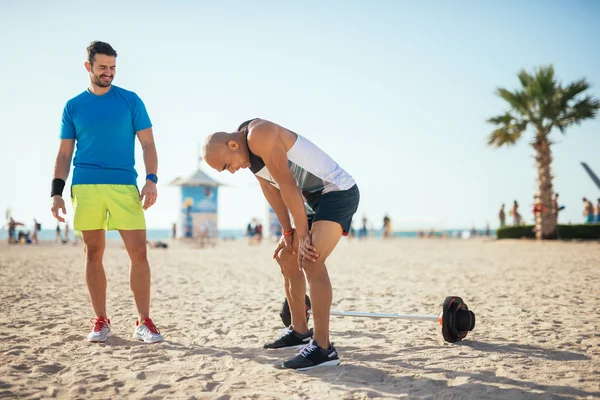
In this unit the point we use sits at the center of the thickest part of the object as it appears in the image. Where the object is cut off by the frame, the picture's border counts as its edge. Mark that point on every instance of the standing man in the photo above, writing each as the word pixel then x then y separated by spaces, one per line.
pixel 515 214
pixel 588 211
pixel 104 121
pixel 387 226
pixel 297 178
pixel 36 229
pixel 502 216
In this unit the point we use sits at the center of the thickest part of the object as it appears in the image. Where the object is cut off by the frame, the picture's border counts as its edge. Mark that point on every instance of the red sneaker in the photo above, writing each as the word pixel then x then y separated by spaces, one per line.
pixel 147 332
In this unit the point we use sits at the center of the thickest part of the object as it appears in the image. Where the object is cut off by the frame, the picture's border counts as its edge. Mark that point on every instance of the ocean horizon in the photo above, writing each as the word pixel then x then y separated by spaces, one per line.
pixel 165 234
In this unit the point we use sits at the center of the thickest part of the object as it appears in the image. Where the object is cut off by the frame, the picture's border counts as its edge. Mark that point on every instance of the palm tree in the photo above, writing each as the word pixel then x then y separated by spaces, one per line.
pixel 544 104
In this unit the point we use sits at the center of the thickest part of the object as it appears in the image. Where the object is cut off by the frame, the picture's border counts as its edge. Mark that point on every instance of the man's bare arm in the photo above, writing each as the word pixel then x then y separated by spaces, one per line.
pixel 62 166
pixel 268 145
pixel 146 138
pixel 274 198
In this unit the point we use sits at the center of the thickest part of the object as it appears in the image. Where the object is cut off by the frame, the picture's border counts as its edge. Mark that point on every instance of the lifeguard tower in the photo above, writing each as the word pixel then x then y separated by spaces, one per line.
pixel 198 206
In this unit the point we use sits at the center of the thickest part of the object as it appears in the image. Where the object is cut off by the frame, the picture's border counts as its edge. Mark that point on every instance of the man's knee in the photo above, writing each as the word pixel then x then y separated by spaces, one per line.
pixel 93 252
pixel 139 253
pixel 313 268
pixel 287 261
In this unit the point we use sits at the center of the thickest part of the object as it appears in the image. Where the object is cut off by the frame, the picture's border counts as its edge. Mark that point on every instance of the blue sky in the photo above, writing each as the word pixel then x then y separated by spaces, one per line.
pixel 396 92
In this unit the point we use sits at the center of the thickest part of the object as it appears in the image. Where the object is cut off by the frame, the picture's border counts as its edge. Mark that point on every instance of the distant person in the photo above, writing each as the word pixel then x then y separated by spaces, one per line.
pixel 598 211
pixel 588 211
pixel 251 231
pixel 12 231
pixel 102 123
pixel 363 228
pixel 258 233
pixel 487 229
pixel 36 228
pixel 66 232
pixel 515 214
pixel 387 227
pixel 502 216
pixel 538 208
pixel 554 207
pixel 157 244
pixel 174 231
pixel 58 237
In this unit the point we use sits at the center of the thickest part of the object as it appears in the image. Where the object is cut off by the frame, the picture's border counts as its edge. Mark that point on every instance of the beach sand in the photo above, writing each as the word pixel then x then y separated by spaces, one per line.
pixel 537 332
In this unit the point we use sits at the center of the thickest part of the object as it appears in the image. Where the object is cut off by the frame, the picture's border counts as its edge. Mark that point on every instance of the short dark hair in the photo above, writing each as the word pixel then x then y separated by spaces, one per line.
pixel 97 47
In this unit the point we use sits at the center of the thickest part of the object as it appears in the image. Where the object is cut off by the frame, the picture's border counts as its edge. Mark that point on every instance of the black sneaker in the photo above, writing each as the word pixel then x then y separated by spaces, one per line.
pixel 290 339
pixel 312 356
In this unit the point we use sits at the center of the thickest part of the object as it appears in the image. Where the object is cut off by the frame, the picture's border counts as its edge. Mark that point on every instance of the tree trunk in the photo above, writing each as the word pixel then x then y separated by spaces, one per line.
pixel 545 216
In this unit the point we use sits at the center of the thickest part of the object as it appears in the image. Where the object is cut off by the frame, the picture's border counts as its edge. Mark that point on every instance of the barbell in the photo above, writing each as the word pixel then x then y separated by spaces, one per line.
pixel 455 319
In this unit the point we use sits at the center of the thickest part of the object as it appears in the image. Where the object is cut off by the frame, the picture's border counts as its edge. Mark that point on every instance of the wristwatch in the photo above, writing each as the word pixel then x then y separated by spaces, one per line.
pixel 152 178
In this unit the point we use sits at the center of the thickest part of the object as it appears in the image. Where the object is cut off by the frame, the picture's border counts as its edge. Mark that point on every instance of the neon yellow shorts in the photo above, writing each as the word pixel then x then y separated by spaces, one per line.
pixel 112 207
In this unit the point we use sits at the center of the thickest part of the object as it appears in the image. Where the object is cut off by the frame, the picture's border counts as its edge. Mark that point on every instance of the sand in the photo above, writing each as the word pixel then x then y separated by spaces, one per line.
pixel 537 333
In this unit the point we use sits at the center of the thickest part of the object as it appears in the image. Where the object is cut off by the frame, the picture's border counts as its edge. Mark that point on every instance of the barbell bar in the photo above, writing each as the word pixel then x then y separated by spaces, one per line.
pixel 455 319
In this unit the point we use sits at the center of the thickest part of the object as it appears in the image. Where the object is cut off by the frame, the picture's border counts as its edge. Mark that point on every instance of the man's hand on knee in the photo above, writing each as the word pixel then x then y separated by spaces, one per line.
pixel 287 242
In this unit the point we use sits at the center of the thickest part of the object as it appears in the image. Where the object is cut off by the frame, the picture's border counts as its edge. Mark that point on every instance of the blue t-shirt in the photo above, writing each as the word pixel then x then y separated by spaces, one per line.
pixel 104 128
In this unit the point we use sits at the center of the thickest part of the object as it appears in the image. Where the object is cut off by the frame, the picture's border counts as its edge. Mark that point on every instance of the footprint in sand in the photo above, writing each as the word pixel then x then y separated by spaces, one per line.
pixel 21 367
pixel 156 387
pixel 20 347
pixel 77 391
pixel 49 368
pixel 7 394
pixel 212 386
pixel 73 338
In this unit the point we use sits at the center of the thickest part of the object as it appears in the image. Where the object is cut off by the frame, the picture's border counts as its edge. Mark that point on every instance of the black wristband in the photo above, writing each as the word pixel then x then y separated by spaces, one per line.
pixel 57 187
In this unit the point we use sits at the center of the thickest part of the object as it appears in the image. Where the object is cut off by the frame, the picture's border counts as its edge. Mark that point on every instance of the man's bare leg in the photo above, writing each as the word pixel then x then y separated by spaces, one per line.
pixel 139 270
pixel 94 244
pixel 294 283
pixel 325 236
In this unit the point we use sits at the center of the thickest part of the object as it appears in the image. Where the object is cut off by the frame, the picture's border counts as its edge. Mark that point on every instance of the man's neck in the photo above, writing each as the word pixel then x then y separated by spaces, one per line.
pixel 242 138
pixel 97 90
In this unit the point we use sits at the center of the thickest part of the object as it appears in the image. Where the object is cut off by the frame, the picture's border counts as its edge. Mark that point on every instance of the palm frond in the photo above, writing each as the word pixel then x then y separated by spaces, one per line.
pixel 525 78
pixel 584 109
pixel 517 100
pixel 544 80
pixel 509 131
pixel 544 93
pixel 575 88
pixel 500 119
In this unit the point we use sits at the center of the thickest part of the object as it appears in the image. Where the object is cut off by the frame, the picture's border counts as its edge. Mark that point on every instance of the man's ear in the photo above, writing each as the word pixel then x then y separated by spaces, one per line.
pixel 233 145
pixel 87 66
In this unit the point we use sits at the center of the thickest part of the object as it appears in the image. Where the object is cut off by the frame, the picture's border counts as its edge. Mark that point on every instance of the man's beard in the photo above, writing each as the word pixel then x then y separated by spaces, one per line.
pixel 98 81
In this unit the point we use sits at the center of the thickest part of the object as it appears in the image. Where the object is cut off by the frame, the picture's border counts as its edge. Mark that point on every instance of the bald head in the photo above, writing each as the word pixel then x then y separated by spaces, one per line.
pixel 226 151
pixel 215 142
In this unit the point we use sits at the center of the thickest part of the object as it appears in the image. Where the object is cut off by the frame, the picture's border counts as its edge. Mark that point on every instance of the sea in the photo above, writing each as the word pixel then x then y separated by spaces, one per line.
pixel 165 234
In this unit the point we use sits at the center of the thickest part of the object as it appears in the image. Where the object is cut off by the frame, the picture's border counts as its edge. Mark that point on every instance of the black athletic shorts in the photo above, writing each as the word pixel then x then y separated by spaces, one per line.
pixel 339 206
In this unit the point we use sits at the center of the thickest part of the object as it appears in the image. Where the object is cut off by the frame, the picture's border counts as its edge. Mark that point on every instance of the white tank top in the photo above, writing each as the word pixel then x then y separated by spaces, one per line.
pixel 315 172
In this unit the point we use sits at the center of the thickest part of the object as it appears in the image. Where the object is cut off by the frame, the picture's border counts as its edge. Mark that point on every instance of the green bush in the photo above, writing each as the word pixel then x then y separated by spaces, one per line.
pixel 588 231
pixel 515 232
